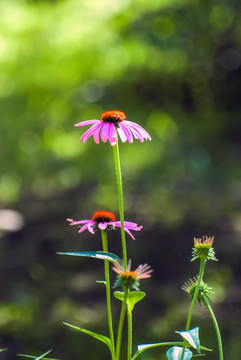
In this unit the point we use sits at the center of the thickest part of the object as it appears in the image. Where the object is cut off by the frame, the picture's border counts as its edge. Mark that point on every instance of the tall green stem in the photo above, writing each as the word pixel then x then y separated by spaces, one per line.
pixel 108 299
pixel 129 346
pixel 215 323
pixel 189 318
pixel 121 323
pixel 121 201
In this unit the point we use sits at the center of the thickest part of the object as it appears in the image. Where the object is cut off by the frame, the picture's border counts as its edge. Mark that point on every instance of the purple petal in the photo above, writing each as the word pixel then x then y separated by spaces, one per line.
pixel 127 132
pixel 96 134
pixel 88 133
pixel 139 128
pixel 112 134
pixel 128 232
pixel 105 132
pixel 102 225
pixel 87 122
pixel 83 228
pixel 137 134
pixel 90 228
pixel 79 222
pixel 121 134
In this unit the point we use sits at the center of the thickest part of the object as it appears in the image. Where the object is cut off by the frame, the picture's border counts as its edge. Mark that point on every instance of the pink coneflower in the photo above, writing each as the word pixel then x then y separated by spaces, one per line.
pixel 111 123
pixel 104 220
pixel 128 278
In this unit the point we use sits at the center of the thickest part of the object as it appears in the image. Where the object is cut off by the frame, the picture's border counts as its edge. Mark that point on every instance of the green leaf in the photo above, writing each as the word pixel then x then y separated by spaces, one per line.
pixel 143 347
pixel 99 337
pixel 94 254
pixel 192 337
pixel 38 357
pixel 132 298
pixel 175 353
pixel 3 349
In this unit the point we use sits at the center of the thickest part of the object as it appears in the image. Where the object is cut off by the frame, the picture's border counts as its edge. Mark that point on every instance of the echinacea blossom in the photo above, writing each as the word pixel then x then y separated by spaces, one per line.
pixel 203 248
pixel 111 123
pixel 204 289
pixel 104 220
pixel 128 278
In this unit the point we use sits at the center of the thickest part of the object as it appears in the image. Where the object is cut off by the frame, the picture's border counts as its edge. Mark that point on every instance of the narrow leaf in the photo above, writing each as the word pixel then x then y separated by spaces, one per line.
pixel 175 353
pixel 101 282
pixel 99 337
pixel 3 349
pixel 38 357
pixel 192 337
pixel 132 298
pixel 94 254
pixel 143 347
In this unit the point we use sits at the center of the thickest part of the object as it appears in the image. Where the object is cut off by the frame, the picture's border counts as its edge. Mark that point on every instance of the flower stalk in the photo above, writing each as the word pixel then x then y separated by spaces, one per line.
pixel 189 318
pixel 108 298
pixel 129 344
pixel 121 199
pixel 215 323
pixel 121 323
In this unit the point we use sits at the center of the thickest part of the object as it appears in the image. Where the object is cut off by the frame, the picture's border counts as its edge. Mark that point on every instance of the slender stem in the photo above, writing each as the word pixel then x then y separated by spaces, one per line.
pixel 200 276
pixel 121 200
pixel 189 318
pixel 215 323
pixel 108 299
pixel 129 346
pixel 121 323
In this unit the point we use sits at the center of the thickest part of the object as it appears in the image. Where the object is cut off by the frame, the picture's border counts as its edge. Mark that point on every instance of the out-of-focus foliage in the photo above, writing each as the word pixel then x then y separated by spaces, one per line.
pixel 173 66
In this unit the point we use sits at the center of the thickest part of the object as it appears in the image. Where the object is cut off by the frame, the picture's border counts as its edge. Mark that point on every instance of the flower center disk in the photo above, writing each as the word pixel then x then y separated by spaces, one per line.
pixel 103 216
pixel 114 116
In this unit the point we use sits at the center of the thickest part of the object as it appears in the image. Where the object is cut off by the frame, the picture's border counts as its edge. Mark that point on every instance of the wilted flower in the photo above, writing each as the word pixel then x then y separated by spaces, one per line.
pixel 111 123
pixel 204 289
pixel 203 248
pixel 128 278
pixel 104 220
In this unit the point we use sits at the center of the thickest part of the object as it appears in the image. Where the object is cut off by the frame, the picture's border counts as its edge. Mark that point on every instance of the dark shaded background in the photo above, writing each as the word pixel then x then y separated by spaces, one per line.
pixel 174 67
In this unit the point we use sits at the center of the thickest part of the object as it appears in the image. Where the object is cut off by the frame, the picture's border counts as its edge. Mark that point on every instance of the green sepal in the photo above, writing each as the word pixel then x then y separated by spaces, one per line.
pixel 38 357
pixel 99 337
pixel 175 353
pixel 133 297
pixel 94 254
pixel 143 347
pixel 192 337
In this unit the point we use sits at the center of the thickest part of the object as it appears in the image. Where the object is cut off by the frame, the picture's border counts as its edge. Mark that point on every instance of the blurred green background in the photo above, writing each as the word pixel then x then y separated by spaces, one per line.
pixel 174 67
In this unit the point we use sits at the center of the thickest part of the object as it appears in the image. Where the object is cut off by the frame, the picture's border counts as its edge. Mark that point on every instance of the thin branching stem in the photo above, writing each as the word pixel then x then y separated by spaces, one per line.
pixel 215 323
pixel 108 298
pixel 121 199
pixel 189 318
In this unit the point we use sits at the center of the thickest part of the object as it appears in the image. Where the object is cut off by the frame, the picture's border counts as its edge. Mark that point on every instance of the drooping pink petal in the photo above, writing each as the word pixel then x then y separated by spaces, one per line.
pixel 105 132
pixel 127 132
pixel 136 132
pixel 88 133
pixel 90 228
pixel 87 122
pixel 112 134
pixel 121 134
pixel 96 133
pixel 83 228
pixel 128 232
pixel 79 221
pixel 102 225
pixel 139 128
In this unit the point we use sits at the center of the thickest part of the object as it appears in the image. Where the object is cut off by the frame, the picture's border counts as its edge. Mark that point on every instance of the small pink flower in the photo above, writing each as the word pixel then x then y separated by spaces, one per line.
pixel 128 278
pixel 104 220
pixel 111 123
